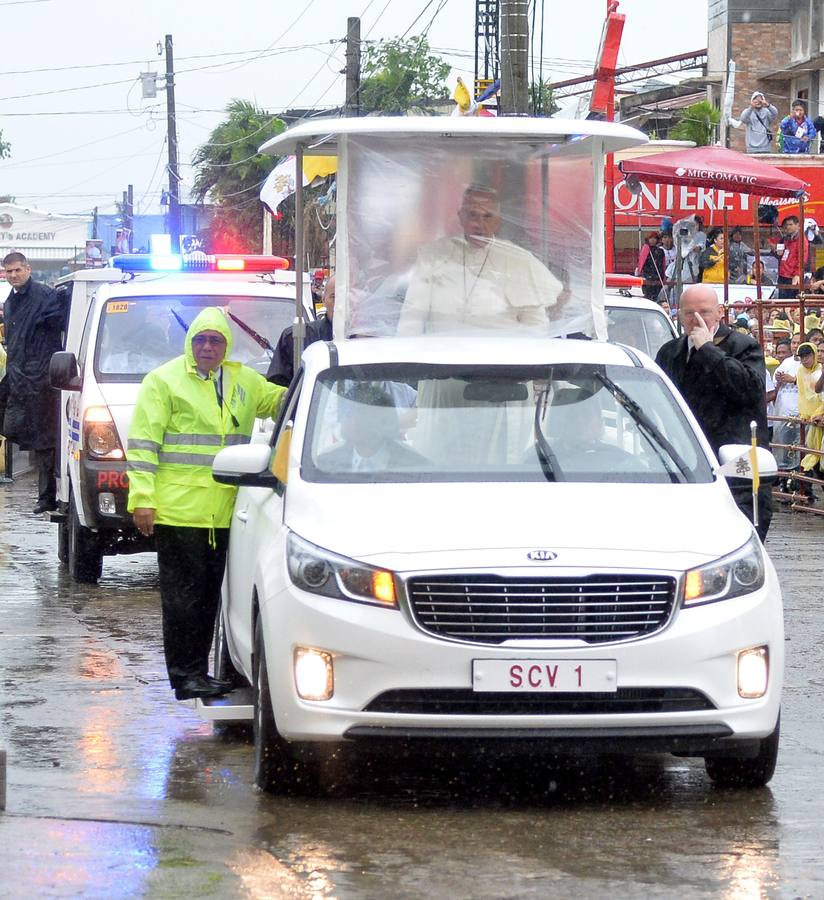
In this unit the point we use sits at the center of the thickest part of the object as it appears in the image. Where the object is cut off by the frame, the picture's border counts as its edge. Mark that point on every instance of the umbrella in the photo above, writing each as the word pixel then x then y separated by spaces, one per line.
pixel 714 167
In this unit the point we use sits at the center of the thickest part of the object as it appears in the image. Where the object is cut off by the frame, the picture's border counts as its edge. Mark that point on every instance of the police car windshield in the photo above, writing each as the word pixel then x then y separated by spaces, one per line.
pixel 644 329
pixel 137 334
pixel 424 423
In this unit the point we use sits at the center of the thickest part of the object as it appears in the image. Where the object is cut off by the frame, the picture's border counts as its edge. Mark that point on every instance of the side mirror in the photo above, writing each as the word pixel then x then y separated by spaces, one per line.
pixel 246 464
pixel 63 372
pixel 280 464
pixel 735 461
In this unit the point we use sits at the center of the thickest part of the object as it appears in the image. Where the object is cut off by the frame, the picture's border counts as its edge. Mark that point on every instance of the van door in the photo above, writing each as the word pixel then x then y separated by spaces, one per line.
pixel 256 533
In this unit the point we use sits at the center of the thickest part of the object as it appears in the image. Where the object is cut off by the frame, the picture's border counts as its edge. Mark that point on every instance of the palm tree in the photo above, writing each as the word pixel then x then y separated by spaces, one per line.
pixel 698 124
pixel 230 172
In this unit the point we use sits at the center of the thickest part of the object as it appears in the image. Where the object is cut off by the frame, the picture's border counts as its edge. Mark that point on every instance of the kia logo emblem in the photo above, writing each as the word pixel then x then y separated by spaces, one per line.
pixel 541 555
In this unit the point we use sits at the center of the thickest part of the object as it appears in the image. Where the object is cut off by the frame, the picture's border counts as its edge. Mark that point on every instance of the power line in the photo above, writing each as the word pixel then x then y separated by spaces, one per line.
pixel 414 21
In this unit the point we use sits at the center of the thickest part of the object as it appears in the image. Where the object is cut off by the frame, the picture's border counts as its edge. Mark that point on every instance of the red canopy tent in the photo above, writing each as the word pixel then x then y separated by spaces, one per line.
pixel 718 167
pixel 715 167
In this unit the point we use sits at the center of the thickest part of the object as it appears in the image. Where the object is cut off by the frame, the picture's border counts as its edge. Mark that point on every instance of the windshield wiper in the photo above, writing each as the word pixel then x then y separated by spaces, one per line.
pixel 546 457
pixel 259 339
pixel 656 438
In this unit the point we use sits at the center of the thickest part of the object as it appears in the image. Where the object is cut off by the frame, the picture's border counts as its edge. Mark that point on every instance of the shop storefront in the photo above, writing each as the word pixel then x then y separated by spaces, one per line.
pixel 53 244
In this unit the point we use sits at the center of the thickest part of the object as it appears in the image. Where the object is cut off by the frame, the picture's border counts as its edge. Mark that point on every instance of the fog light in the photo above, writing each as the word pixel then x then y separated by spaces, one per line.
pixel 106 504
pixel 314 678
pixel 753 672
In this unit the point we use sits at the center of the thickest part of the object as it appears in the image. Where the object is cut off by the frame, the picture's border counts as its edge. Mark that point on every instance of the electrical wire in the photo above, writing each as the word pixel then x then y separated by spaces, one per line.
pixel 414 21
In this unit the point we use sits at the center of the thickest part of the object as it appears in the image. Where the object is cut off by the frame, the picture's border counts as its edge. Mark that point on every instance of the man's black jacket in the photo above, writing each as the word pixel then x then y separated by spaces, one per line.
pixel 723 384
pixel 281 371
pixel 35 317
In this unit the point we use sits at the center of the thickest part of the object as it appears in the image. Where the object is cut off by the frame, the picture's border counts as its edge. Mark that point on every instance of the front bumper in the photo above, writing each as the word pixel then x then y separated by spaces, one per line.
pixel 378 653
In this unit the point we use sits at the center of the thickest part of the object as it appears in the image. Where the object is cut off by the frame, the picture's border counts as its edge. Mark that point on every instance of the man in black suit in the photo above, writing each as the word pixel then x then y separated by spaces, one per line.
pixel 720 373
pixel 371 434
pixel 281 369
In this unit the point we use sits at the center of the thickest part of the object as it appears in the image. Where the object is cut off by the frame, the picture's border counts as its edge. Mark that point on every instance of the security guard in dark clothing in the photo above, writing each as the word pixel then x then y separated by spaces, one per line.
pixel 35 317
pixel 281 369
pixel 721 374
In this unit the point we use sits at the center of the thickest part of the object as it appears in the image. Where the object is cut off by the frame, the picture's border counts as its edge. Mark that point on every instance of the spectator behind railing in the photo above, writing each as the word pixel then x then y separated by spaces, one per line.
pixel 759 117
pixel 797 130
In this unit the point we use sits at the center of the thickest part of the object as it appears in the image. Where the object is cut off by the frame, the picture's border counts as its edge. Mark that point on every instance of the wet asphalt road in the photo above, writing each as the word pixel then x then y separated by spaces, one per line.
pixel 115 790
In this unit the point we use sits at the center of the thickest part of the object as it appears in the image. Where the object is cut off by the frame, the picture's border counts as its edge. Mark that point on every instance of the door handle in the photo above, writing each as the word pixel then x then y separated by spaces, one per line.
pixel 242 514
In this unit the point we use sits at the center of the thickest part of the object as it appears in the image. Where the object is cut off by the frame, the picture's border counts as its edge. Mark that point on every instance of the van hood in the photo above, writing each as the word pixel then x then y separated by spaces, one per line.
pixel 407 527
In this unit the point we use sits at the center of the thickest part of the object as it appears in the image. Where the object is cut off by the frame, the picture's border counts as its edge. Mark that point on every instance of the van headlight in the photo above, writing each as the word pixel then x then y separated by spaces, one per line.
pixel 320 572
pixel 742 572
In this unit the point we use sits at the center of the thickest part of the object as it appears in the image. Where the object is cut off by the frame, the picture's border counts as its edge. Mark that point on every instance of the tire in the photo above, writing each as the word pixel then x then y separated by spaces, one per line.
pixel 223 667
pixel 743 772
pixel 63 543
pixel 277 771
pixel 84 553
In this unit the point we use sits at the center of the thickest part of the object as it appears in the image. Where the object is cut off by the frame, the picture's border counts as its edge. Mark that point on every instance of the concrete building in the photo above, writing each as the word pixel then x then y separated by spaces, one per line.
pixel 777 48
pixel 52 243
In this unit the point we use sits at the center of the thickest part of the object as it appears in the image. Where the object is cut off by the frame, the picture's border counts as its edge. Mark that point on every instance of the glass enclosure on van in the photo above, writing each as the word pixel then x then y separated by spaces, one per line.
pixel 572 422
pixel 137 334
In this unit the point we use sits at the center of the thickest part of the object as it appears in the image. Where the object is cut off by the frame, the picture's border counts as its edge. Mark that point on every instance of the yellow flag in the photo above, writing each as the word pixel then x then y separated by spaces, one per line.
pixel 461 96
pixel 756 478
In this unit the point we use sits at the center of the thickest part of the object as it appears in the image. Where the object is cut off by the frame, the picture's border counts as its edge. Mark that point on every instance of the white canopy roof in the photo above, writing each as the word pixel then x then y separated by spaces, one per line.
pixel 319 136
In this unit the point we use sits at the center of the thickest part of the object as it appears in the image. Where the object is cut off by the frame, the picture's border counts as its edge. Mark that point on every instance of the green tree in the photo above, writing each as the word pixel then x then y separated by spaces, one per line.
pixel 698 123
pixel 402 75
pixel 230 173
pixel 541 101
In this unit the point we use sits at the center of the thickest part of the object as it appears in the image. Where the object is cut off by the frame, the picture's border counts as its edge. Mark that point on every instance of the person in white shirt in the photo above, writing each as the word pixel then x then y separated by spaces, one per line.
pixel 476 281
pixel 785 404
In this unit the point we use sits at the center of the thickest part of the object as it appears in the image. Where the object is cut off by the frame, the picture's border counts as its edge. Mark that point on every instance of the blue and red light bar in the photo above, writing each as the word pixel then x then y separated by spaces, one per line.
pixel 198 262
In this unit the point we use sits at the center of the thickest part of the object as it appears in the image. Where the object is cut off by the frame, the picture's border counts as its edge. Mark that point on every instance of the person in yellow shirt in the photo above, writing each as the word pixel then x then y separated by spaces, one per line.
pixel 712 259
pixel 810 404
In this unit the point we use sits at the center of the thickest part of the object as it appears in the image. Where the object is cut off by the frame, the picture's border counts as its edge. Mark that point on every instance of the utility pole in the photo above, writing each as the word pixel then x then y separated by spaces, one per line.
pixel 130 214
pixel 351 105
pixel 514 57
pixel 171 127
pixel 94 224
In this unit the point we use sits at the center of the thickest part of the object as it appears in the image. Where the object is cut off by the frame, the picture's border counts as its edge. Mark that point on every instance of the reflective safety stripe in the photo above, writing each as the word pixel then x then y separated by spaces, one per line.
pixel 193 440
pixel 136 466
pixel 186 459
pixel 138 444
pixel 205 440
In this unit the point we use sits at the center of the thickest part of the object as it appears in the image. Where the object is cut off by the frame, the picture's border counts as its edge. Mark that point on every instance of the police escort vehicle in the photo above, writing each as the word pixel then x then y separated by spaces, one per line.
pixel 125 320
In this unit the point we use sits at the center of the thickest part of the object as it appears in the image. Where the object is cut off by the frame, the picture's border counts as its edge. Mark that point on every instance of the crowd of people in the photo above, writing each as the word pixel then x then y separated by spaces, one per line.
pixel 795 133
pixel 706 254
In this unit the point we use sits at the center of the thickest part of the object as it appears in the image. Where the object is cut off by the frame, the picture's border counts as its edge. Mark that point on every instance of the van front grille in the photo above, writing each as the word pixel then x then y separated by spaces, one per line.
pixel 491 609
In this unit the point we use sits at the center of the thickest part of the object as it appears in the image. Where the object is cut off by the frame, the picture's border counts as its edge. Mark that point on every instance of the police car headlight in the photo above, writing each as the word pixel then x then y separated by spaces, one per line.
pixel 100 437
pixel 318 571
pixel 742 572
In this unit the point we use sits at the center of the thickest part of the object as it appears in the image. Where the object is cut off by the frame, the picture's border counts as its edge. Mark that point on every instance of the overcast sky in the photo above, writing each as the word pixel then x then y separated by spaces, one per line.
pixel 80 131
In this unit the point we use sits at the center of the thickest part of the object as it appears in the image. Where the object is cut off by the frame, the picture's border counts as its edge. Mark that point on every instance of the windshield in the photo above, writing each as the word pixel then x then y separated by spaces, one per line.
pixel 140 333
pixel 422 423
pixel 644 329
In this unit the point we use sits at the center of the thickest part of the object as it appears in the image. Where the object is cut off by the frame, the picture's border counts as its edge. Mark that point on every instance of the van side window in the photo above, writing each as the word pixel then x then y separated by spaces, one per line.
pixel 287 410
pixel 84 340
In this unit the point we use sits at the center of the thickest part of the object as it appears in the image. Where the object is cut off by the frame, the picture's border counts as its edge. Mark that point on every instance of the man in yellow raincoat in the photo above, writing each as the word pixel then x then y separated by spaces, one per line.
pixel 187 410
pixel 809 401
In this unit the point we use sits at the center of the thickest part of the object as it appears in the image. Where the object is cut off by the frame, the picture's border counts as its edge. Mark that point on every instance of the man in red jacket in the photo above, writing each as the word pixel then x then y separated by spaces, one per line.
pixel 788 251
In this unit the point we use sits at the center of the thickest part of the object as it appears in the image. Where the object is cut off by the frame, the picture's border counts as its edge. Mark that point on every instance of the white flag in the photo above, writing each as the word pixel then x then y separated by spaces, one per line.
pixel 738 467
pixel 280 184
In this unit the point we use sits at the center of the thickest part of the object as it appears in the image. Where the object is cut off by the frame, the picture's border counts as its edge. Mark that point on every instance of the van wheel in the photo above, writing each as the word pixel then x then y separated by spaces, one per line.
pixel 84 553
pixel 743 772
pixel 277 771
pixel 223 667
pixel 63 543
